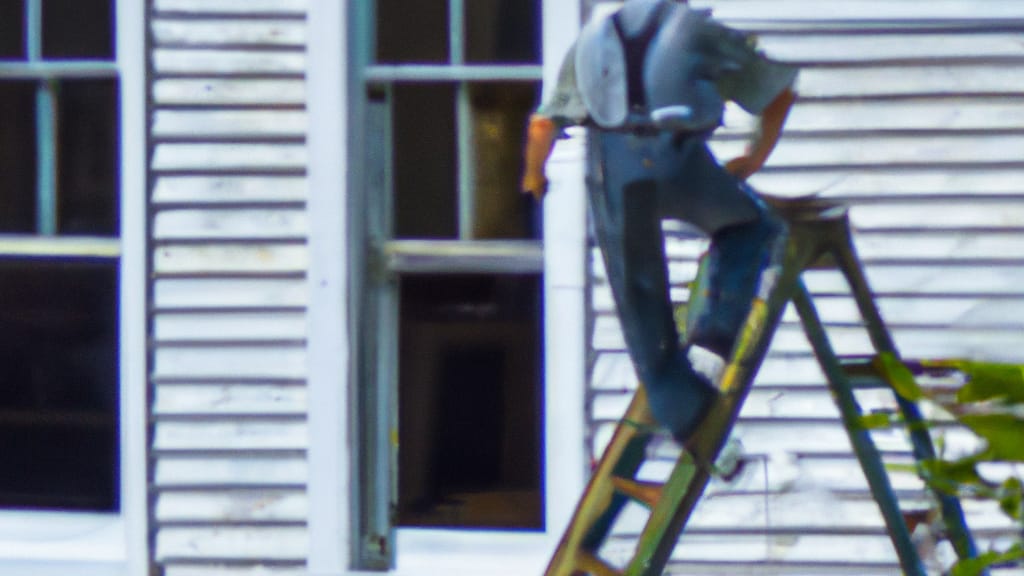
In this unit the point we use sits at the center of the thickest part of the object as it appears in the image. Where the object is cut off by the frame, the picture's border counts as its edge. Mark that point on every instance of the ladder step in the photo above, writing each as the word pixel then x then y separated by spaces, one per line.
pixel 646 493
pixel 593 565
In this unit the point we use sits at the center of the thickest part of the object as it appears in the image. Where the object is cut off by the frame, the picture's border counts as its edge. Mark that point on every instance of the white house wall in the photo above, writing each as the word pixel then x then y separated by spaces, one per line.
pixel 229 295
pixel 912 113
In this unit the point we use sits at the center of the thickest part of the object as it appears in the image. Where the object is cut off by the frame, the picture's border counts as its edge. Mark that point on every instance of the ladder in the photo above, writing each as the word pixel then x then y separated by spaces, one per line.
pixel 819 236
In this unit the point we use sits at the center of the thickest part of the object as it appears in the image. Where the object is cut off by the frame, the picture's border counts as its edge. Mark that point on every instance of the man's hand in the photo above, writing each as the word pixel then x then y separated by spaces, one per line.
pixel 540 139
pixel 765 137
pixel 743 167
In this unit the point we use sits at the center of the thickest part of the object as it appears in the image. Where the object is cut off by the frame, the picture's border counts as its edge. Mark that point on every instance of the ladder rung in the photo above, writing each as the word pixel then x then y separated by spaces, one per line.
pixel 592 564
pixel 647 493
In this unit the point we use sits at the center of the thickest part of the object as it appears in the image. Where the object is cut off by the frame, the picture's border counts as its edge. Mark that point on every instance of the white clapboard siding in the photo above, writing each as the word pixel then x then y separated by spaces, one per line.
pixel 229 189
pixel 254 544
pixel 224 362
pixel 239 506
pixel 182 294
pixel 229 92
pixel 229 399
pixel 229 259
pixel 228 32
pixel 228 310
pixel 912 115
pixel 205 61
pixel 229 124
pixel 243 435
pixel 230 570
pixel 232 157
pixel 240 8
pixel 265 223
pixel 217 471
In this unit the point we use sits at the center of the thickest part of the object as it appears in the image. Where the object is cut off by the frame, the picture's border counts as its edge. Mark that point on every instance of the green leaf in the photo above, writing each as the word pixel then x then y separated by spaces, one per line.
pixel 948 476
pixel 897 375
pixel 1003 432
pixel 875 421
pixel 1012 500
pixel 986 380
pixel 975 566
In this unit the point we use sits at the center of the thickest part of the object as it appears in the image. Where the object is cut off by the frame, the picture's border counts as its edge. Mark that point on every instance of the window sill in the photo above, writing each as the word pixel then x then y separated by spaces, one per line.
pixel 472 552
pixel 62 543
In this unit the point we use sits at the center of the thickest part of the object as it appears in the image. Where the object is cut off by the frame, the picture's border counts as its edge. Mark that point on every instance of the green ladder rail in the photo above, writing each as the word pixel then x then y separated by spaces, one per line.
pixel 819 236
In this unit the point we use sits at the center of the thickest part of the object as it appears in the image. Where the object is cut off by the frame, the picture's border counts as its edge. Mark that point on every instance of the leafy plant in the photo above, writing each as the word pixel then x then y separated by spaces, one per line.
pixel 991 405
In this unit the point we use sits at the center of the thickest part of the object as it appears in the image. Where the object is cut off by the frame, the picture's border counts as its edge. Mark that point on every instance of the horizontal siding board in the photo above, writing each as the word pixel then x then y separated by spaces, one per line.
pixel 262 224
pixel 231 326
pixel 233 124
pixel 990 216
pixel 201 259
pixel 235 362
pixel 886 11
pixel 204 293
pixel 787 555
pixel 865 48
pixel 232 543
pixel 996 343
pixel 911 278
pixel 229 399
pixel 897 80
pixel 192 471
pixel 228 435
pixel 900 274
pixel 235 7
pixel 231 32
pixel 613 371
pixel 200 61
pixel 927 115
pixel 906 182
pixel 200 569
pixel 229 189
pixel 890 150
pixel 229 92
pixel 236 506
pixel 229 157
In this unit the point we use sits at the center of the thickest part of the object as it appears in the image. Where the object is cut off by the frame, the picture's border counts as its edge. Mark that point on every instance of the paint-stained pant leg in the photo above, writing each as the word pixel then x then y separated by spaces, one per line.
pixel 627 222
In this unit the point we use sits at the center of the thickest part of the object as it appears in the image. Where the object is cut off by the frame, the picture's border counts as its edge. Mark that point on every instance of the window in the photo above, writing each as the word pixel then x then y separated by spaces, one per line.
pixel 450 306
pixel 59 255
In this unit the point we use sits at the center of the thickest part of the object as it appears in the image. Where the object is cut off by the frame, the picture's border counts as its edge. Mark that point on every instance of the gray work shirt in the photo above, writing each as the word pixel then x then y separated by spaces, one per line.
pixel 728 58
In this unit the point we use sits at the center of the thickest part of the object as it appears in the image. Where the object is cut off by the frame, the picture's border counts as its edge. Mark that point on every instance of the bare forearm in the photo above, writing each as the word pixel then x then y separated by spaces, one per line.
pixel 540 140
pixel 770 129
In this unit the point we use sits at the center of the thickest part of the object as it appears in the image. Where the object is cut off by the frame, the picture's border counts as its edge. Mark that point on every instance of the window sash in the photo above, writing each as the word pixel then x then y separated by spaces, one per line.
pixel 46 72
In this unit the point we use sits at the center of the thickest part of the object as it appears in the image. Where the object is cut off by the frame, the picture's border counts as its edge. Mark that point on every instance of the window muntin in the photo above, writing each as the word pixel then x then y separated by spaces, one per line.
pixel 59 256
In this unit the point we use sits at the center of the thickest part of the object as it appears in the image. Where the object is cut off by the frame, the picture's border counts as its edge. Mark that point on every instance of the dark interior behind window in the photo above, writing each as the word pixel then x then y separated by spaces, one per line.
pixel 470 401
pixel 17 157
pixel 58 407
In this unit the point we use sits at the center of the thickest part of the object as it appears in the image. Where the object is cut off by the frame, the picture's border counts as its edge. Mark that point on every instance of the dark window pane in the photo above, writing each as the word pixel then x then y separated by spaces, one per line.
pixel 470 401
pixel 87 155
pixel 12 29
pixel 503 31
pixel 425 161
pixel 58 410
pixel 78 29
pixel 17 157
pixel 412 31
pixel 500 113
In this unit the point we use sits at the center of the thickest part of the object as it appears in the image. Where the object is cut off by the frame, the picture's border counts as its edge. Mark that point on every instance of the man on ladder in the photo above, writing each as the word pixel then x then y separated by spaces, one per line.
pixel 650 80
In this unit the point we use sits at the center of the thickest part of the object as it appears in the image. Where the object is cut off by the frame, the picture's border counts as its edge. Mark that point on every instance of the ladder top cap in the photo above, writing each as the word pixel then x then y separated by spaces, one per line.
pixel 806 207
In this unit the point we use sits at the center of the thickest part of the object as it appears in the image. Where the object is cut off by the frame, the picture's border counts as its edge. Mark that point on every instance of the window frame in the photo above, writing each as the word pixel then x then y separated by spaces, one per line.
pixel 338 256
pixel 115 543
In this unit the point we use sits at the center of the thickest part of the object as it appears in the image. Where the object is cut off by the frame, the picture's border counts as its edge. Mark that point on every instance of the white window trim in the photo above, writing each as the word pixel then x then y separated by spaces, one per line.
pixel 426 552
pixel 39 543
